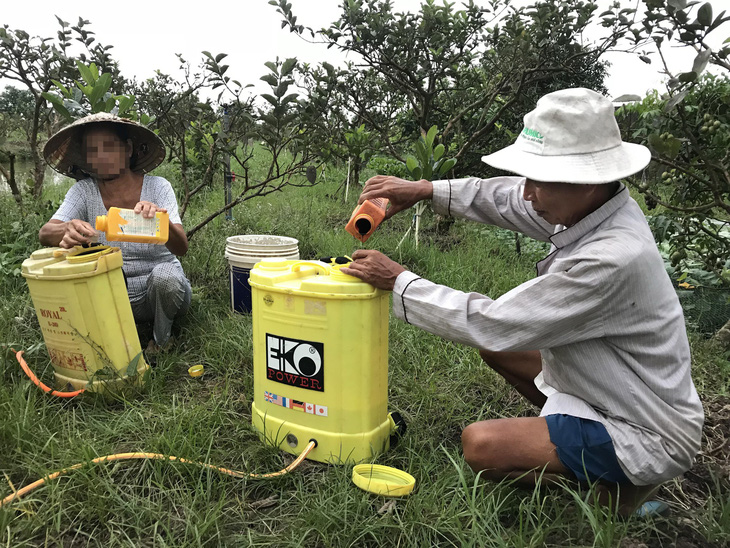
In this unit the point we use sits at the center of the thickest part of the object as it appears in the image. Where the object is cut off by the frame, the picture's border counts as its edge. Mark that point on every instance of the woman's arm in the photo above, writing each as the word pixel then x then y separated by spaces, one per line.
pixel 58 233
pixel 177 243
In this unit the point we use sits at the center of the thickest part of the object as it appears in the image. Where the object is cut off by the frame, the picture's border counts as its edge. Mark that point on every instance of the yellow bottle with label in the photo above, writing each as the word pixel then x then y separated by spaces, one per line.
pixel 124 225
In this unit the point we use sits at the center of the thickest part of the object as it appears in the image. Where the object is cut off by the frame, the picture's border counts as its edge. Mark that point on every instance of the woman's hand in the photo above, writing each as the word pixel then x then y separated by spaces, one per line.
pixel 374 268
pixel 177 243
pixel 76 232
pixel 148 209
pixel 401 193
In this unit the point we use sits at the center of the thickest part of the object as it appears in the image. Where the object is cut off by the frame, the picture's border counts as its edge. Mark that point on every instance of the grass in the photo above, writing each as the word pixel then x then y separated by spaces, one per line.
pixel 439 387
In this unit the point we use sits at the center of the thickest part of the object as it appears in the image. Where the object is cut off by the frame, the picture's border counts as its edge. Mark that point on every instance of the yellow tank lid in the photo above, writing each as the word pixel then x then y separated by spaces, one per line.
pixel 59 263
pixel 309 278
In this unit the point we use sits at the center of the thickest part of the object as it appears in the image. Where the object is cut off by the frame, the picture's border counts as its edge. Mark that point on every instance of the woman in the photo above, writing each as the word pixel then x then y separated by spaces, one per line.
pixel 109 157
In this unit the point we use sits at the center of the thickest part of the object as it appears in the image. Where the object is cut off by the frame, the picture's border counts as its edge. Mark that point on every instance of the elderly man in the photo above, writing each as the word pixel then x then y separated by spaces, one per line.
pixel 597 340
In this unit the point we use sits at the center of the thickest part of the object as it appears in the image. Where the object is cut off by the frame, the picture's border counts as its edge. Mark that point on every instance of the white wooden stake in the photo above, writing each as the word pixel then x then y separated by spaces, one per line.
pixel 347 184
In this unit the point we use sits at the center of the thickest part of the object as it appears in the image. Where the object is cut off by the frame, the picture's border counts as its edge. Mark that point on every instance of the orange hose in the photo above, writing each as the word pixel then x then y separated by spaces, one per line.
pixel 39 384
pixel 158 456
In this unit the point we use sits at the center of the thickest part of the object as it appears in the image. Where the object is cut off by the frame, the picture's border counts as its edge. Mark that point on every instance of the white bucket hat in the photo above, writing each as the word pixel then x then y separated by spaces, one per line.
pixel 571 137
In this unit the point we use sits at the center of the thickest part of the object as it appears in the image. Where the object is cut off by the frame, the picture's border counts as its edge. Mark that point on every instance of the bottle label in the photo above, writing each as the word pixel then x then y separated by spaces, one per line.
pixel 382 203
pixel 138 225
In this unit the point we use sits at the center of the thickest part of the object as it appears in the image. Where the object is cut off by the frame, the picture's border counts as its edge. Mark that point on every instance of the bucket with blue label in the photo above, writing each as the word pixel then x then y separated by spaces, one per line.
pixel 243 252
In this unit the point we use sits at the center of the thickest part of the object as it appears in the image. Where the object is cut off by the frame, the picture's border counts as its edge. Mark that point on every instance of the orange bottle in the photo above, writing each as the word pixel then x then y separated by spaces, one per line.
pixel 366 218
pixel 124 225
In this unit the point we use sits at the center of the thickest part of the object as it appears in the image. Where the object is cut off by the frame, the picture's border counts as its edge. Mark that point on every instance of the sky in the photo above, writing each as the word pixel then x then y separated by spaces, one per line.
pixel 146 35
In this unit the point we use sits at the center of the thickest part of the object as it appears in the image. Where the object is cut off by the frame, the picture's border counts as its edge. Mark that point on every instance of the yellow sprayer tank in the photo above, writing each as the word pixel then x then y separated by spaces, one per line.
pixel 83 308
pixel 320 343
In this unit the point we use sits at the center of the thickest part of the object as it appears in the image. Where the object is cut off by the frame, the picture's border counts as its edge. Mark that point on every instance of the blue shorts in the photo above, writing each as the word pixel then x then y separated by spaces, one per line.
pixel 585 448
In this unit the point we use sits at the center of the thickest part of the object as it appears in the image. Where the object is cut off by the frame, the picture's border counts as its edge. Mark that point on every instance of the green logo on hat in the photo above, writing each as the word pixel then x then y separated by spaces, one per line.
pixel 532 134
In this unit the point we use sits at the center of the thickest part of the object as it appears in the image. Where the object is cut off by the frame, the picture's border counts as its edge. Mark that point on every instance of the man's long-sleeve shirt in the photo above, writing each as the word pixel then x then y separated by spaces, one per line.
pixel 602 311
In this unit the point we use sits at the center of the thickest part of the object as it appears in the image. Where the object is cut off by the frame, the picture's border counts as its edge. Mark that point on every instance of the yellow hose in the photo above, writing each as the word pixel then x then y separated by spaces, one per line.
pixel 158 456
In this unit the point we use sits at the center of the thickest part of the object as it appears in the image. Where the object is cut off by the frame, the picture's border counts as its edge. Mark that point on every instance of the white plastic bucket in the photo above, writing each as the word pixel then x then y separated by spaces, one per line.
pixel 243 252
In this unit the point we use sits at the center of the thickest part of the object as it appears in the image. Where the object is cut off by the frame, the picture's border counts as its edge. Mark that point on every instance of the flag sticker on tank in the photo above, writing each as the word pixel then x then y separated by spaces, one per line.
pixel 295 362
pixel 311 408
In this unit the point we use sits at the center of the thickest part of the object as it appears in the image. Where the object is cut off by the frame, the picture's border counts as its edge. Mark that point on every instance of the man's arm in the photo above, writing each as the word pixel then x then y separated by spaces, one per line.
pixel 497 201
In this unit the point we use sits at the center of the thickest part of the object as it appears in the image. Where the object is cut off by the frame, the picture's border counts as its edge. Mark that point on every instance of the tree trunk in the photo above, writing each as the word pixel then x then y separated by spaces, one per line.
pixel 39 173
pixel 39 166
pixel 723 335
pixel 12 183
pixel 210 170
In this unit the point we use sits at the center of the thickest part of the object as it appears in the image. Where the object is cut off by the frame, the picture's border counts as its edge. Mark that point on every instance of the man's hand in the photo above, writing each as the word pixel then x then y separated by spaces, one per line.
pixel 374 268
pixel 148 209
pixel 76 232
pixel 401 193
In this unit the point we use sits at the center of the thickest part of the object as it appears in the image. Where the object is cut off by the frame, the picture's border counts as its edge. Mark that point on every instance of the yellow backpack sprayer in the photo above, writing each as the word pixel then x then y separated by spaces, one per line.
pixel 83 309
pixel 320 356
pixel 320 360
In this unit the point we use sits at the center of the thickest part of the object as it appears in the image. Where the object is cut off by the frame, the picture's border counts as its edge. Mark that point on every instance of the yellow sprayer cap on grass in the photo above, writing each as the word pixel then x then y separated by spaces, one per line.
pixel 196 370
pixel 382 480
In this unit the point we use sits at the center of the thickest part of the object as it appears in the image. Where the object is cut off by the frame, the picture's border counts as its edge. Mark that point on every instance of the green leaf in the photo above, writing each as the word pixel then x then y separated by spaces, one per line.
pixel 87 90
pixel 288 66
pixel 627 98
pixel 431 135
pixel 427 172
pixel 101 87
pixel 704 14
pixel 438 152
pixel 272 67
pixel 700 62
pixel 447 166
pixel 672 146
pixel 64 89
pixel 125 102
pixel 675 100
pixel 656 142
pixel 281 89
pixel 220 57
pixel 416 174
pixel 291 98
pixel 421 153
pixel 270 98
pixel 411 164
pixel 687 77
pixel 57 103
pixel 85 73
pixel 132 367
pixel 270 79
pixel 94 71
